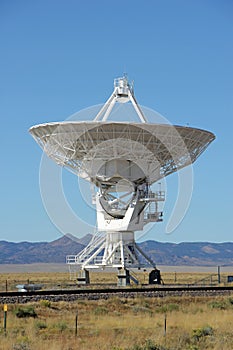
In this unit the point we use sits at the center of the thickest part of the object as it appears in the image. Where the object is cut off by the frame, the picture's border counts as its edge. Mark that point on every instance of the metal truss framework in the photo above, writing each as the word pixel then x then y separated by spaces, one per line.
pixel 101 253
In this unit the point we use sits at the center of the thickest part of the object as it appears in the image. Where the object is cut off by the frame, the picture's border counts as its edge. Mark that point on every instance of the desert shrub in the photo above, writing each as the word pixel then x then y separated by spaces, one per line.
pixel 60 326
pixel 218 304
pixel 21 346
pixel 100 310
pixel 26 311
pixel 145 303
pixel 45 303
pixel 148 345
pixel 168 308
pixel 40 325
pixel 193 347
pixel 184 340
pixel 202 332
pixel 141 309
pixel 221 304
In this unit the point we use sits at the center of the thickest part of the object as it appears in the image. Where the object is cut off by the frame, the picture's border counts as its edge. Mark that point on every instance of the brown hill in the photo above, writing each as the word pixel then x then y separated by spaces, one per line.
pixel 46 252
pixel 189 253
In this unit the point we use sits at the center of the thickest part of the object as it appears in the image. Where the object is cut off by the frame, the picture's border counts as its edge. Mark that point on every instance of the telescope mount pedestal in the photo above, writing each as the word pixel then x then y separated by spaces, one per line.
pixel 118 249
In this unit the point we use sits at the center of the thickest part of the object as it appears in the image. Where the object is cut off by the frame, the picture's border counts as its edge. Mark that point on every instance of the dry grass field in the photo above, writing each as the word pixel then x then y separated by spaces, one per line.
pixel 117 324
pixel 199 323
pixel 62 279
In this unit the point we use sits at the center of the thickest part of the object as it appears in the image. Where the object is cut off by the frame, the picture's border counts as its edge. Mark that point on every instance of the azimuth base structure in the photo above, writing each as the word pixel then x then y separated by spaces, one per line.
pixel 122 160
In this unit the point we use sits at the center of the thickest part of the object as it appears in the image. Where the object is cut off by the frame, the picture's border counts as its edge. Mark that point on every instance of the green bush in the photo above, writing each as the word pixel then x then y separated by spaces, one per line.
pixel 202 332
pixel 45 303
pixel 141 309
pixel 168 308
pixel 60 326
pixel 221 304
pixel 40 325
pixel 193 347
pixel 149 345
pixel 100 310
pixel 22 344
pixel 27 311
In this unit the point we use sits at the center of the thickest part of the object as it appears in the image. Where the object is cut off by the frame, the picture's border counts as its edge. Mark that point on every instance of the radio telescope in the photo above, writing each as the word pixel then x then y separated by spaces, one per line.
pixel 122 160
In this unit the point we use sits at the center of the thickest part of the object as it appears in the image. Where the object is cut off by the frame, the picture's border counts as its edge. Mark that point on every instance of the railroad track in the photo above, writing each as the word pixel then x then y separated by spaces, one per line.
pixel 106 293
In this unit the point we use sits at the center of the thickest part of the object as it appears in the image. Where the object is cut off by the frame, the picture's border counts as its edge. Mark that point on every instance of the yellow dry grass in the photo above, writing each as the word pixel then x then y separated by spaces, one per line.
pixel 120 324
pixel 62 279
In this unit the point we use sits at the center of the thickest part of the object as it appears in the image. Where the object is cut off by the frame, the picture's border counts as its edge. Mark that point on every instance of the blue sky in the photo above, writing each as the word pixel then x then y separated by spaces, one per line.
pixel 59 57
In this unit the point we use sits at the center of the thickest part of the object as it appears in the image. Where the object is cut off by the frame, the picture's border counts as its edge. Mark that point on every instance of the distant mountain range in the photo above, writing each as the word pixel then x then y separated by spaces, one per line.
pixel 190 254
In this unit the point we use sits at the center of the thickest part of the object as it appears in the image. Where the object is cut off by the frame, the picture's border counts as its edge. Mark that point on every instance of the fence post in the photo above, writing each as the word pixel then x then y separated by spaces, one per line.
pixel 5 317
pixel 76 324
pixel 165 325
pixel 219 278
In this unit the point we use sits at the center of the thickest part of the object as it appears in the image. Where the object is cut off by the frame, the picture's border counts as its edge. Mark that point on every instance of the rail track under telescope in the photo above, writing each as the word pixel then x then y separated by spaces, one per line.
pixel 106 293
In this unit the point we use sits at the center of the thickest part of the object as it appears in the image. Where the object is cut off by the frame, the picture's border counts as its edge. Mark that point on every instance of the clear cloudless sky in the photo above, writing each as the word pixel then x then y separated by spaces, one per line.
pixel 58 57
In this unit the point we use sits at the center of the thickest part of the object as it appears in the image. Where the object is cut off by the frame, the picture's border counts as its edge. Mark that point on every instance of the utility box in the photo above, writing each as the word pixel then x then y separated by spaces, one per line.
pixel 155 277
pixel 229 279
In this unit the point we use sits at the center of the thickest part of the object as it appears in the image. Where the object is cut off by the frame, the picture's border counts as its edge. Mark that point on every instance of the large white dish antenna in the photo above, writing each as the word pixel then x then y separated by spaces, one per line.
pixel 122 159
pixel 158 149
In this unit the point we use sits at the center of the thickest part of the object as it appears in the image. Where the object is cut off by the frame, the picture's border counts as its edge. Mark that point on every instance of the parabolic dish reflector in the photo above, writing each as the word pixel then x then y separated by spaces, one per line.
pixel 157 149
pixel 122 159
